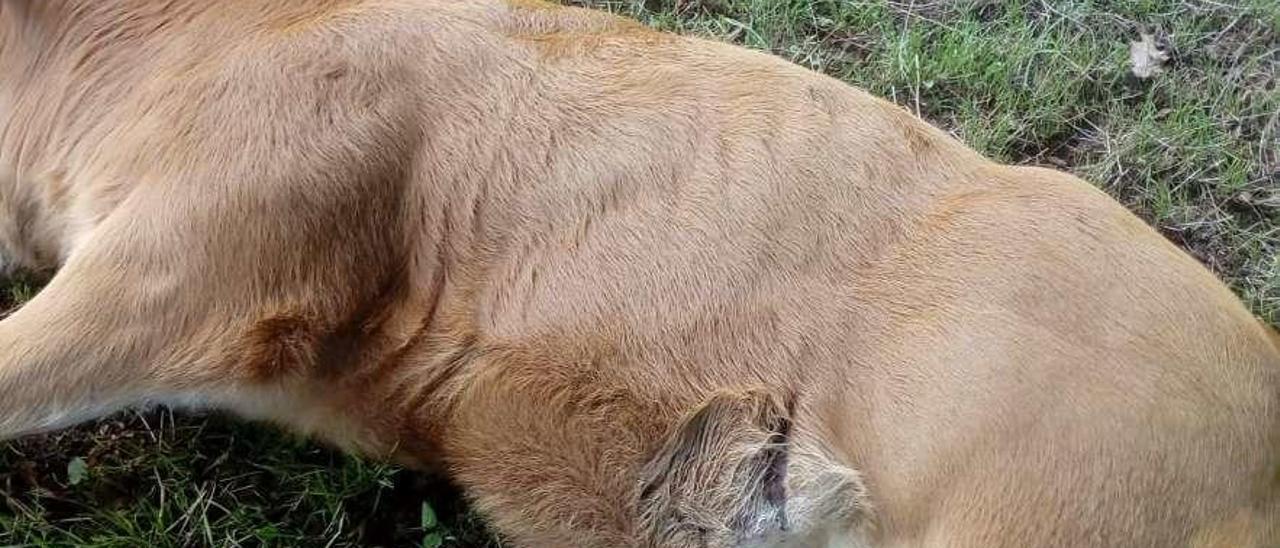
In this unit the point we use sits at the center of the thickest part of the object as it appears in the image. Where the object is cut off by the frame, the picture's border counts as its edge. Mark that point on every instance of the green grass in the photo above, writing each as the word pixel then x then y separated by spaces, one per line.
pixel 164 481
pixel 1195 151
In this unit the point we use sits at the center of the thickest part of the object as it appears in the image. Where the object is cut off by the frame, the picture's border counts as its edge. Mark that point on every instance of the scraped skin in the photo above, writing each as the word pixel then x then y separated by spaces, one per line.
pixel 626 288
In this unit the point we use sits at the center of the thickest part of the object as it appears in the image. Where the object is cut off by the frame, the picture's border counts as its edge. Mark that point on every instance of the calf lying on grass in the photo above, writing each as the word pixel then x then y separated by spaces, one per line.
pixel 626 288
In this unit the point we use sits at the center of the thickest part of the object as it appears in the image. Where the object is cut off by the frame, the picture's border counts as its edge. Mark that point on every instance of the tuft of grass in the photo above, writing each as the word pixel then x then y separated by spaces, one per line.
pixel 1195 151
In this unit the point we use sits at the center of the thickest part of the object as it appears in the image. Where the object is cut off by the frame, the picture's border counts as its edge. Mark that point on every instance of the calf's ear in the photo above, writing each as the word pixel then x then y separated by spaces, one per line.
pixel 720 478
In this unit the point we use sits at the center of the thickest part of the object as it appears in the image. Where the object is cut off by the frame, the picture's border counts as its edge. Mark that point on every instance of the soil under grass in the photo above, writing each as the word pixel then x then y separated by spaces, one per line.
pixel 1194 150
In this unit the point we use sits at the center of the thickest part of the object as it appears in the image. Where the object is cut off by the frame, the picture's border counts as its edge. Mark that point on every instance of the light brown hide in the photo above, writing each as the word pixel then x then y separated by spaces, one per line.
pixel 626 288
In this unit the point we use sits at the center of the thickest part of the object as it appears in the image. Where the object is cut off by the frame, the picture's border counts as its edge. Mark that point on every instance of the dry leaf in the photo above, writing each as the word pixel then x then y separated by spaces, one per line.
pixel 1147 57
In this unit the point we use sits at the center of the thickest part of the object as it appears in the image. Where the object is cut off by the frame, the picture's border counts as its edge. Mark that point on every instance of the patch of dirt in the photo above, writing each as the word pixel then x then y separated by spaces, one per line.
pixel 1205 241
pixel 1061 150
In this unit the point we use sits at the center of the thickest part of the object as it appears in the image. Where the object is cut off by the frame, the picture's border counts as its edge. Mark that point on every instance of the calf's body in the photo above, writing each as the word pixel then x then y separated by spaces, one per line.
pixel 626 288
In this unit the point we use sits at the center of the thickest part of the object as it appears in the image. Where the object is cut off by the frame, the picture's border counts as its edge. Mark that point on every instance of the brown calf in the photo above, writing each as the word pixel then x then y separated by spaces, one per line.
pixel 626 288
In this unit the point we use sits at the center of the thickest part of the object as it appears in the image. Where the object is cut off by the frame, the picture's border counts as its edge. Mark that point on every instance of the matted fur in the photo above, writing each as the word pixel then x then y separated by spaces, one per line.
pixel 626 288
